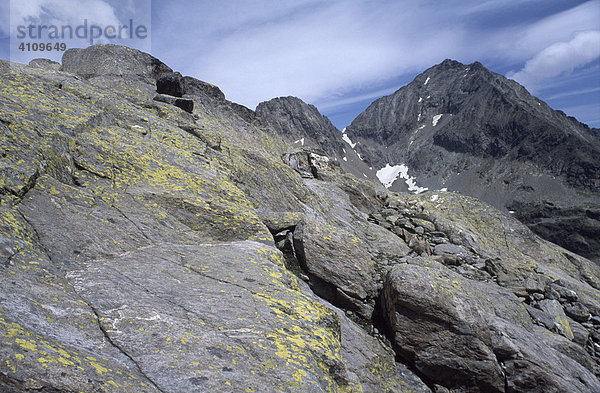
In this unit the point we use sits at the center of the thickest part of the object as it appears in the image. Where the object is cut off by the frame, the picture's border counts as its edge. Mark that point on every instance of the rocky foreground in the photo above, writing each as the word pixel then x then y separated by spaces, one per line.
pixel 171 241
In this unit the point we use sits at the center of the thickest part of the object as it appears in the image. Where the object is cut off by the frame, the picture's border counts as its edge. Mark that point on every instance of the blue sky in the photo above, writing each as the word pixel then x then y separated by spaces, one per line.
pixel 340 55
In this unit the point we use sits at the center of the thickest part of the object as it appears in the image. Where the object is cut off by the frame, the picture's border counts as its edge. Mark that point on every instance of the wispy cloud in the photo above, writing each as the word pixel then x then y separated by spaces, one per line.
pixel 332 103
pixel 323 50
pixel 574 93
pixel 343 52
pixel 530 39
pixel 326 50
pixel 587 113
pixel 559 58
pixel 62 12
pixel 88 21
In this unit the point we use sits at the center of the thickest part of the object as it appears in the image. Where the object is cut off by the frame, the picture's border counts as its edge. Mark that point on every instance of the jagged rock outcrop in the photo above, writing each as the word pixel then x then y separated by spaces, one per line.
pixel 302 124
pixel 484 305
pixel 465 128
pixel 144 248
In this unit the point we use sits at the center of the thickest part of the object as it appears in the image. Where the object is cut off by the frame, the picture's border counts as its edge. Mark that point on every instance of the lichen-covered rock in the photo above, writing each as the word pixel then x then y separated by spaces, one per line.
pixel 45 64
pixel 139 253
pixel 136 246
pixel 113 60
pixel 473 336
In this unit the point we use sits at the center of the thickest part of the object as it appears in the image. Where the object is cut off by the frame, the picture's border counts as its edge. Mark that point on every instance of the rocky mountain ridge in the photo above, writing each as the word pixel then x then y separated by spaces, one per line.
pixel 157 245
pixel 464 128
pixel 302 124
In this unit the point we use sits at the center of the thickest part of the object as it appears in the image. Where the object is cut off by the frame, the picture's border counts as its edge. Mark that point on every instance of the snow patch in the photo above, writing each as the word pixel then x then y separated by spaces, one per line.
pixel 345 159
pixel 420 99
pixel 388 175
pixel 435 120
pixel 419 118
pixel 426 81
pixel 347 140
pixel 423 126
pixel 344 150
pixel 365 176
pixel 301 141
pixel 444 189
pixel 434 198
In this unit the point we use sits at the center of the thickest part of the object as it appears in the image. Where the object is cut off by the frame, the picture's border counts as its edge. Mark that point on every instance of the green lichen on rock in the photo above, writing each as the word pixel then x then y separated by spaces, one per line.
pixel 138 254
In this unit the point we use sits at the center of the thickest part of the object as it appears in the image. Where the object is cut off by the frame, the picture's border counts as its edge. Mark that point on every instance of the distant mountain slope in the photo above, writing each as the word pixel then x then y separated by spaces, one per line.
pixel 302 125
pixel 470 130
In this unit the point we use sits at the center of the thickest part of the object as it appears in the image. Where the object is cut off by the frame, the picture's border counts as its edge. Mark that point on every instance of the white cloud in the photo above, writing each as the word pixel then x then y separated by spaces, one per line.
pixel 326 50
pixel 62 12
pixel 76 24
pixel 332 103
pixel 558 58
pixel 323 50
pixel 515 42
pixel 574 93
pixel 557 28
pixel 494 5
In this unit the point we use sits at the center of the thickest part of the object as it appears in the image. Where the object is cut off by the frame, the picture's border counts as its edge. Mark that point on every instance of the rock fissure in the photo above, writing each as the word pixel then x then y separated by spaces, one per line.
pixel 82 167
pixel 119 348
pixel 141 231
pixel 25 188
pixel 37 238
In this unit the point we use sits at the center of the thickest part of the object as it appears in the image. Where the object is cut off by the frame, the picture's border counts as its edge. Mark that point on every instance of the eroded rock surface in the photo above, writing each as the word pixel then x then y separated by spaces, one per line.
pixel 137 247
pixel 144 248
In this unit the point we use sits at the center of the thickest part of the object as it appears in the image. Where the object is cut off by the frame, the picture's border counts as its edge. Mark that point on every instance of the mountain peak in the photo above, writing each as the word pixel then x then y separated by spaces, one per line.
pixel 296 120
pixel 449 64
pixel 466 128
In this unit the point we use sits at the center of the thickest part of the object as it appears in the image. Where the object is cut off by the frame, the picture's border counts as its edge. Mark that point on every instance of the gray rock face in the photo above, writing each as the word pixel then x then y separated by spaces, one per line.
pixel 482 311
pixel 294 120
pixel 147 249
pixel 135 257
pixel 470 130
pixel 183 103
pixel 45 64
pixel 113 60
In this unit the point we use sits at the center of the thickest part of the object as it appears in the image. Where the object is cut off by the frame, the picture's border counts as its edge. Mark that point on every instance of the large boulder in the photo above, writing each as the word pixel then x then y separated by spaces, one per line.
pixel 339 267
pixel 473 336
pixel 170 84
pixel 113 60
